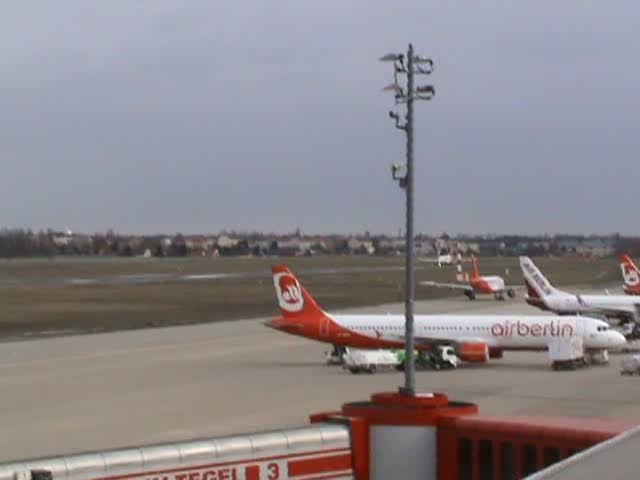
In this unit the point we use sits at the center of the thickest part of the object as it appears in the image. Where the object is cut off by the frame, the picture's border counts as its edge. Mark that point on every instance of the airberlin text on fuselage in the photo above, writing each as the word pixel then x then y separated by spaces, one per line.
pixel 553 328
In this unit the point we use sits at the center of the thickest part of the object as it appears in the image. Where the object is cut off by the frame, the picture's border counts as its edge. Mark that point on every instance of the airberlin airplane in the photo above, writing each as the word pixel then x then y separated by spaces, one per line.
pixel 474 338
pixel 541 294
pixel 630 275
pixel 477 284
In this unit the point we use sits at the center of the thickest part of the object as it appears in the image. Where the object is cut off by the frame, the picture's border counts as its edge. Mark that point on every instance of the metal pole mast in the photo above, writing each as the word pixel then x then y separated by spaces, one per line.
pixel 415 65
pixel 409 371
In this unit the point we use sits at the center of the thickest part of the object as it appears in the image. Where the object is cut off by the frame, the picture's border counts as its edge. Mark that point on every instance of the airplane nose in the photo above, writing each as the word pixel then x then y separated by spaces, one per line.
pixel 618 338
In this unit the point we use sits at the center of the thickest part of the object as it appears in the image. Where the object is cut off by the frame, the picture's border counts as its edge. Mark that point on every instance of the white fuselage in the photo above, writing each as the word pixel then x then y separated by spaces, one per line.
pixel 497 331
pixel 562 302
pixel 496 283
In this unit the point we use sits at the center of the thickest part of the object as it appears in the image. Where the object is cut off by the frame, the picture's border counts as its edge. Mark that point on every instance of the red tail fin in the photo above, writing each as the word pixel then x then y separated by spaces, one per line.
pixel 630 273
pixel 294 300
pixel 475 271
pixel 531 291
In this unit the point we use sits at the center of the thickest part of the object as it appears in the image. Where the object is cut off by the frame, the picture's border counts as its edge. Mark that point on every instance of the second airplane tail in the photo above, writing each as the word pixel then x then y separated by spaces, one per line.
pixel 630 275
pixel 537 284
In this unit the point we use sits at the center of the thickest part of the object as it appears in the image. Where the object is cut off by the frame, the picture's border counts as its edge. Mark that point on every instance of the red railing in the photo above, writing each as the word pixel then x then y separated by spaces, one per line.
pixel 479 447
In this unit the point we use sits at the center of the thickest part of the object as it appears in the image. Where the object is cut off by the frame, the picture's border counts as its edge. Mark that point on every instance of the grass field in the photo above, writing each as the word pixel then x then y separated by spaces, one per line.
pixel 41 303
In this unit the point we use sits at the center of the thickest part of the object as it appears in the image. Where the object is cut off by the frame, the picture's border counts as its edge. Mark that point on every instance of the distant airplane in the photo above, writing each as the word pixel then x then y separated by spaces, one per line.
pixel 474 338
pixel 630 275
pixel 477 284
pixel 541 294
pixel 444 259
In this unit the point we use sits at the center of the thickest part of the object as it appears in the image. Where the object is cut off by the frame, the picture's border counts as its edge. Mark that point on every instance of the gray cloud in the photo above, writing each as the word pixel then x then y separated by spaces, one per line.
pixel 200 115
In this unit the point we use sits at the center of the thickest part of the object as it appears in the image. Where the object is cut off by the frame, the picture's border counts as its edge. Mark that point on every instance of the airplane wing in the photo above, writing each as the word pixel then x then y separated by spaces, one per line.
pixel 631 310
pixel 460 286
pixel 516 287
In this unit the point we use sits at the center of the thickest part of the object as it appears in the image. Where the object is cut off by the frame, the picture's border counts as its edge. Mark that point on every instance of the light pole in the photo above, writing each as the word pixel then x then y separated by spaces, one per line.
pixel 409 64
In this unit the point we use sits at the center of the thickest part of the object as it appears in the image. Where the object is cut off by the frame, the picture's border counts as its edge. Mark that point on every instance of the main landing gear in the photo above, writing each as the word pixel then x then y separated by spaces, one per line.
pixel 336 356
pixel 500 295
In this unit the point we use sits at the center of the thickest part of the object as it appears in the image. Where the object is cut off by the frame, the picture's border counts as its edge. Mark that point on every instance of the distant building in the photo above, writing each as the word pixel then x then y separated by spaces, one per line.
pixel 361 247
pixel 423 248
pixel 227 242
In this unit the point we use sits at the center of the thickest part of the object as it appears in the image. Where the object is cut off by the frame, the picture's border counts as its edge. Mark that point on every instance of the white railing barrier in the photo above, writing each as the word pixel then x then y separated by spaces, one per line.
pixel 319 449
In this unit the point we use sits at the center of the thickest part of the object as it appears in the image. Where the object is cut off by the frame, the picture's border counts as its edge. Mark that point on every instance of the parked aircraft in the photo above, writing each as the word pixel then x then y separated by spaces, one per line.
pixel 630 275
pixel 444 259
pixel 476 284
pixel 475 338
pixel 541 294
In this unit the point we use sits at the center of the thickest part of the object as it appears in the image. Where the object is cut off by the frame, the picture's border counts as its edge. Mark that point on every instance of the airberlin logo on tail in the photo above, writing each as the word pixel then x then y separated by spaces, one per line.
pixel 554 328
pixel 630 275
pixel 535 275
pixel 289 292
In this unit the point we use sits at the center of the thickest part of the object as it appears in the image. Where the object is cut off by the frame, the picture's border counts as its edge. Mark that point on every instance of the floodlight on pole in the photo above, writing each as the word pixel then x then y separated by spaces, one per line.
pixel 403 173
pixel 425 92
pixel 421 60
pixel 391 57
pixel 393 87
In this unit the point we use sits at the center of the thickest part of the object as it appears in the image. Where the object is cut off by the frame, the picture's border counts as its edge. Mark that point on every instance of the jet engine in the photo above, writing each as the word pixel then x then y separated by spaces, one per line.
pixel 476 352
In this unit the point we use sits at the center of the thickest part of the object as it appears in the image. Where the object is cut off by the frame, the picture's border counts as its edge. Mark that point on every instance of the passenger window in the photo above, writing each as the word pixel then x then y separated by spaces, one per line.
pixel 529 460
pixel 551 455
pixel 507 461
pixel 485 449
pixel 465 459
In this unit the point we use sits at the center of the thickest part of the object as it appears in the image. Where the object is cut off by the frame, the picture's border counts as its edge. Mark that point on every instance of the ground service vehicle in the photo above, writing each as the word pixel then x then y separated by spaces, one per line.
pixel 566 354
pixel 631 365
pixel 335 356
pixel 369 361
pixel 442 357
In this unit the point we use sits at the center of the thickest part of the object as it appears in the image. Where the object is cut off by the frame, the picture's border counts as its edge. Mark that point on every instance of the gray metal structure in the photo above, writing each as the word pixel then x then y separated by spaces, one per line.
pixel 134 462
pixel 613 459
pixel 414 65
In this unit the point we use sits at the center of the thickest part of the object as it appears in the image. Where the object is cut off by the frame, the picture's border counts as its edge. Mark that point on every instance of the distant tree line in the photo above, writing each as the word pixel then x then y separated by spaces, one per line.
pixel 46 243
pixel 24 243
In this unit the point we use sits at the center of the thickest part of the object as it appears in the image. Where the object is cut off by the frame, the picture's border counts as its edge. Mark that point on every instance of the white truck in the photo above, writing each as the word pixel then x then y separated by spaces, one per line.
pixel 335 356
pixel 369 361
pixel 631 365
pixel 566 353
pixel 445 357
pixel 442 357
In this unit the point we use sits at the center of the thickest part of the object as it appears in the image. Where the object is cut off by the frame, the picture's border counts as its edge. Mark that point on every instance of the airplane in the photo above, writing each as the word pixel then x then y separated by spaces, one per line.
pixel 541 294
pixel 444 259
pixel 474 338
pixel 477 284
pixel 630 275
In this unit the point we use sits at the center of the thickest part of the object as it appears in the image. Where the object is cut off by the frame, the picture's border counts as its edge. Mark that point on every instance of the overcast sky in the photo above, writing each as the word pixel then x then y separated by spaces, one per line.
pixel 193 116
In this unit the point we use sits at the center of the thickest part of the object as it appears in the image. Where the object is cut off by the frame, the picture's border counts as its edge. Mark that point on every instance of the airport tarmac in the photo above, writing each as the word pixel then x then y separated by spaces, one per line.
pixel 79 393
